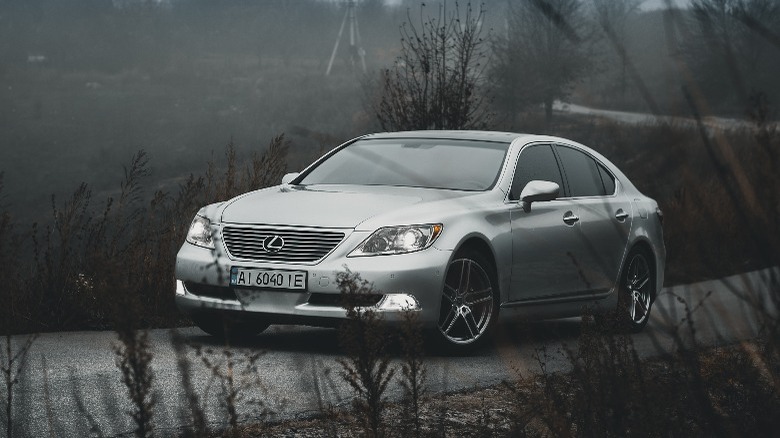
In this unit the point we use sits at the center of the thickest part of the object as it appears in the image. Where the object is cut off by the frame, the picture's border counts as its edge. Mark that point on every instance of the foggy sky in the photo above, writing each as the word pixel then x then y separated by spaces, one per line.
pixel 658 4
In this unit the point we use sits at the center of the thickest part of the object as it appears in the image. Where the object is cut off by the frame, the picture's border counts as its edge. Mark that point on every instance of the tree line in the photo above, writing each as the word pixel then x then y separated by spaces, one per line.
pixel 549 49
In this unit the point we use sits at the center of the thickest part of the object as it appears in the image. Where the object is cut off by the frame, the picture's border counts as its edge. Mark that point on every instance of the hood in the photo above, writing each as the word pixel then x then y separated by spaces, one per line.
pixel 332 207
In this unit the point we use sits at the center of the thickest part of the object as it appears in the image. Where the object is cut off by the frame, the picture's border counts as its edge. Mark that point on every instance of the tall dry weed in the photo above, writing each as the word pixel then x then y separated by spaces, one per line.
pixel 13 357
pixel 13 361
pixel 134 360
pixel 367 366
pixel 12 311
pixel 413 372
pixel 609 384
pixel 239 383
pixel 193 408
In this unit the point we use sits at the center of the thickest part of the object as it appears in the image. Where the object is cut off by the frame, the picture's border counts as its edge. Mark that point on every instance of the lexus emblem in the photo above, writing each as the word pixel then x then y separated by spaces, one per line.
pixel 273 243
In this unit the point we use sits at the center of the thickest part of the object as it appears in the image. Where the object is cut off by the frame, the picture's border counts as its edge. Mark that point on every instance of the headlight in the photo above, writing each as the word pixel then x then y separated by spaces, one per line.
pixel 200 233
pixel 398 240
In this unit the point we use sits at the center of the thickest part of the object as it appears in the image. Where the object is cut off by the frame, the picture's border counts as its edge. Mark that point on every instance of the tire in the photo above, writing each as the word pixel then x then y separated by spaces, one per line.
pixel 226 328
pixel 469 303
pixel 636 291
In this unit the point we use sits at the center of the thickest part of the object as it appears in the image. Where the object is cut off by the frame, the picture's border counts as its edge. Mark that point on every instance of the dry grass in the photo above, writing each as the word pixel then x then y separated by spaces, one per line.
pixel 91 262
pixel 745 402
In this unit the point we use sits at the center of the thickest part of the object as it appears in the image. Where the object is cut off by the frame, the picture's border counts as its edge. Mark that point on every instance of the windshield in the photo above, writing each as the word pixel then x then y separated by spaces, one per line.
pixel 431 163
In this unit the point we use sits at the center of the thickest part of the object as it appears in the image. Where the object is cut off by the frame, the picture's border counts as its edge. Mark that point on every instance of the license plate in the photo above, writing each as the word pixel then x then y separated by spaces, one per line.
pixel 268 278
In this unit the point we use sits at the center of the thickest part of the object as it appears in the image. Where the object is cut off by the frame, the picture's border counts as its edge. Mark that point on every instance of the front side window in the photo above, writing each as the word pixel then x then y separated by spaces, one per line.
pixel 431 163
pixel 536 162
pixel 582 173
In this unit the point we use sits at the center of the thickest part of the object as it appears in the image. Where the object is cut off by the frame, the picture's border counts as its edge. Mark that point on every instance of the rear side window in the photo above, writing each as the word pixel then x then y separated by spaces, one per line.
pixel 582 173
pixel 535 162
pixel 607 179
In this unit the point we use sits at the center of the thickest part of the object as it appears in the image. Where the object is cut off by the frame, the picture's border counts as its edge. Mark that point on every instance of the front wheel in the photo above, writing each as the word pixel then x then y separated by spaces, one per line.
pixel 636 291
pixel 469 302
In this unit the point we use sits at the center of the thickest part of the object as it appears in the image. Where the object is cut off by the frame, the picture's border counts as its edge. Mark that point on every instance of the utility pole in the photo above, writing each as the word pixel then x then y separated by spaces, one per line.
pixel 355 46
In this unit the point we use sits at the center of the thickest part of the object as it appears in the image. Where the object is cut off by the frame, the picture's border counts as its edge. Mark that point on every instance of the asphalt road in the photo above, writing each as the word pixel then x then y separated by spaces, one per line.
pixel 71 385
pixel 633 118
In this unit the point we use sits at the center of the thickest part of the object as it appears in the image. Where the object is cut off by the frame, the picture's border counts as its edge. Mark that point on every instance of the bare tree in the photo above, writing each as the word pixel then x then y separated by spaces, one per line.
pixel 545 52
pixel 733 49
pixel 613 18
pixel 435 82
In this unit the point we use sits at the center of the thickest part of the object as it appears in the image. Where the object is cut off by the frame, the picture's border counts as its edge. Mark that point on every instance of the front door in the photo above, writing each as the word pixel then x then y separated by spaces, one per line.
pixel 544 237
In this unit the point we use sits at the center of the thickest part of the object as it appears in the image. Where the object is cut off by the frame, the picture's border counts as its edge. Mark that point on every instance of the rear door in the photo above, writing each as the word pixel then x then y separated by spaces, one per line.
pixel 605 215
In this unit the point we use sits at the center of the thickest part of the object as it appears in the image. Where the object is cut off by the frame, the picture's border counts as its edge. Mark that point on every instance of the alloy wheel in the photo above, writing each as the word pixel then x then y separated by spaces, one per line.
pixel 467 302
pixel 639 287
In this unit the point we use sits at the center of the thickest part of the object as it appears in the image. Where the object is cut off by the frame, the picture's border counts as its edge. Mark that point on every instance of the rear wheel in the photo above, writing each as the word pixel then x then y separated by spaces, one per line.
pixel 227 328
pixel 469 302
pixel 636 291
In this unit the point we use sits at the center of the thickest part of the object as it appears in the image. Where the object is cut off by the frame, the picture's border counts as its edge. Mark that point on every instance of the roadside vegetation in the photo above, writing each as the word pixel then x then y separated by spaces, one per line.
pixel 606 389
pixel 84 263
pixel 102 255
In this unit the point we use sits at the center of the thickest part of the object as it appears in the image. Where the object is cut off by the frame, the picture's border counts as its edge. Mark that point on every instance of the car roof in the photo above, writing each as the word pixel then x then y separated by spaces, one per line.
pixel 504 137
pixel 496 136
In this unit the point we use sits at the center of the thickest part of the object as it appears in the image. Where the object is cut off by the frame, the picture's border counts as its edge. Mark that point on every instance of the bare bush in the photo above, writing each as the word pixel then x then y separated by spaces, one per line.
pixel 12 363
pixel 198 427
pixel 413 371
pixel 609 385
pixel 134 359
pixel 367 367
pixel 238 378
pixel 12 359
pixel 80 260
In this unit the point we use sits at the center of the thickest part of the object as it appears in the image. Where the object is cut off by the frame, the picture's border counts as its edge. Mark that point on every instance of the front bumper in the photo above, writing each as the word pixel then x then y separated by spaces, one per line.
pixel 419 274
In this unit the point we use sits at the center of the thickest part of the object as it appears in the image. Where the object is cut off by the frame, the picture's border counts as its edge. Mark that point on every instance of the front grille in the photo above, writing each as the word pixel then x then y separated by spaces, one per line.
pixel 300 245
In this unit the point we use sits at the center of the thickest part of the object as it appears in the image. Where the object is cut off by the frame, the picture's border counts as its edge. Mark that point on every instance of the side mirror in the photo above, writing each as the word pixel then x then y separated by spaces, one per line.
pixel 536 191
pixel 289 177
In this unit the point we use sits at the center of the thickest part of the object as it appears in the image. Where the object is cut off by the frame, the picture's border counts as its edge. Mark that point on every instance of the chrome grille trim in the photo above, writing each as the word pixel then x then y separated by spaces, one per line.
pixel 301 245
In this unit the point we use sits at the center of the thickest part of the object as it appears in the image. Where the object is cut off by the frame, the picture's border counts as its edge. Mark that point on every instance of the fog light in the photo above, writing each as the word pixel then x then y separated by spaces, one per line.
pixel 398 302
pixel 180 288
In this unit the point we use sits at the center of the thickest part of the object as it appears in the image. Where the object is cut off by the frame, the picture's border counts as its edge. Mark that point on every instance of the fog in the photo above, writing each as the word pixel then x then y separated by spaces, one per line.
pixel 86 83
pixel 662 4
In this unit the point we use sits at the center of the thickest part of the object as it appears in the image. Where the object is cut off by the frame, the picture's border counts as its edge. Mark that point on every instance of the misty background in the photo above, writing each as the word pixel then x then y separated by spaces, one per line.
pixel 84 84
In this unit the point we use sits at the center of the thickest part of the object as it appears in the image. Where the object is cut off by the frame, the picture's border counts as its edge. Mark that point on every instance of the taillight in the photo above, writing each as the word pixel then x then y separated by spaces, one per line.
pixel 660 214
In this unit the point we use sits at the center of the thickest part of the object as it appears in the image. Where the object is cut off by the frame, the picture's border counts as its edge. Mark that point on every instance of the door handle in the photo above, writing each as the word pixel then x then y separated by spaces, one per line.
pixel 621 215
pixel 570 218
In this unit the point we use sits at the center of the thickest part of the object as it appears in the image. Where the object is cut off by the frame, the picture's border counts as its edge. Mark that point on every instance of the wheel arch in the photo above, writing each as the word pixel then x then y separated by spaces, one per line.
pixel 478 248
pixel 643 244
pixel 480 244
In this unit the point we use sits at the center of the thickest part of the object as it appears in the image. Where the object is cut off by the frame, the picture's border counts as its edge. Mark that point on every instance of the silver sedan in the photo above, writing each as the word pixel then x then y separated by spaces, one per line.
pixel 459 226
